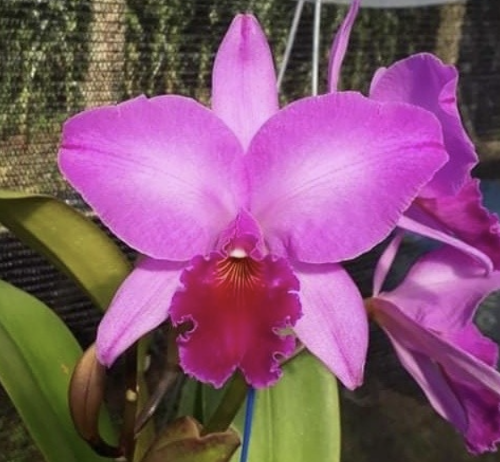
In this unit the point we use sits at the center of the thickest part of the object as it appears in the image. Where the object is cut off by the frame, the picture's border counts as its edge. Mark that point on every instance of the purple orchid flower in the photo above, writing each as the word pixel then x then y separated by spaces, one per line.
pixel 428 319
pixel 449 208
pixel 243 212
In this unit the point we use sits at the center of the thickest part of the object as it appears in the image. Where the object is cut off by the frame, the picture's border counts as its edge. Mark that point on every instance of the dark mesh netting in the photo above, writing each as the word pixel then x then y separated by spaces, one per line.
pixel 58 57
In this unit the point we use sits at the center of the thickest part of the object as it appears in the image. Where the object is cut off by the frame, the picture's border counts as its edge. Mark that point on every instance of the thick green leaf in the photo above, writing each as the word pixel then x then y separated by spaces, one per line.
pixel 37 357
pixel 298 419
pixel 73 243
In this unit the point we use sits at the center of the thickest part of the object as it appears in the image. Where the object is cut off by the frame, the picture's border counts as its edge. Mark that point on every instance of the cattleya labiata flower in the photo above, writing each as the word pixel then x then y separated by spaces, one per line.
pixel 243 212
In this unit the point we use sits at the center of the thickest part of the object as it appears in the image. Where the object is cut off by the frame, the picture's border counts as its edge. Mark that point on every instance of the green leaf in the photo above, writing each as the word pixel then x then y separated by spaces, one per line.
pixel 298 419
pixel 37 357
pixel 71 242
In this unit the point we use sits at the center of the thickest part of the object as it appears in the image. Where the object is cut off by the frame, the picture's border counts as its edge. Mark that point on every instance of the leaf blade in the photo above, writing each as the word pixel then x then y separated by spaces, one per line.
pixel 35 369
pixel 70 241
pixel 298 419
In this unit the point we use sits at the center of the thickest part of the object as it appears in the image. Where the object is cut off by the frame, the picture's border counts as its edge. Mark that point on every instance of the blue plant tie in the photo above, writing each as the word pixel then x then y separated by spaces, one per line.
pixel 249 410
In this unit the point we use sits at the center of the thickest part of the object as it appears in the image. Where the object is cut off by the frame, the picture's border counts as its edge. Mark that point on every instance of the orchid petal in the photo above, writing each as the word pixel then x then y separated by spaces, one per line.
pixel 428 227
pixel 330 175
pixel 483 406
pixel 237 309
pixel 339 46
pixel 376 76
pixel 244 92
pixel 385 262
pixel 140 305
pixel 459 364
pixel 423 80
pixel 433 383
pixel 334 324
pixel 469 338
pixel 483 410
pixel 464 216
pixel 163 173
pixel 443 289
pixel 454 379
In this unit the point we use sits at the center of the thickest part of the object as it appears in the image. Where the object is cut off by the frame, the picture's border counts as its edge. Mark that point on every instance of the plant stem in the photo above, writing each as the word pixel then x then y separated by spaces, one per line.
pixel 229 406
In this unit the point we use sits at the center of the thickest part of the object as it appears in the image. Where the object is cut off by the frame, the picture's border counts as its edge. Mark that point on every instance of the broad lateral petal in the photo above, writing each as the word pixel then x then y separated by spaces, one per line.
pixel 236 311
pixel 331 175
pixel 339 46
pixel 162 173
pixel 334 325
pixel 443 289
pixel 423 80
pixel 244 92
pixel 140 305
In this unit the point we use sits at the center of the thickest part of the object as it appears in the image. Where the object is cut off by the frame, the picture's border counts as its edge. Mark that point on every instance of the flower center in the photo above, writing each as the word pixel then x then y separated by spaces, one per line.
pixel 238 274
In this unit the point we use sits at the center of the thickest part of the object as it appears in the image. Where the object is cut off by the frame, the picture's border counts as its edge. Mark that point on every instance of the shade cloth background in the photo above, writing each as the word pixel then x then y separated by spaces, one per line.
pixel 58 57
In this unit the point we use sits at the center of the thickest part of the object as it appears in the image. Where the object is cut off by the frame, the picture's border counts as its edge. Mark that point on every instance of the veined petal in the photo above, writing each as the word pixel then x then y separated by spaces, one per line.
pixel 140 305
pixel 423 80
pixel 237 310
pixel 244 92
pixel 339 46
pixel 163 173
pixel 331 175
pixel 464 216
pixel 334 326
pixel 443 289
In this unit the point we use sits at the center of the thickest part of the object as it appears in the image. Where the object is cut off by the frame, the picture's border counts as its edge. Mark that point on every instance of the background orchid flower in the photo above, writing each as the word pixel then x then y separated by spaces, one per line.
pixel 449 208
pixel 243 212
pixel 428 319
